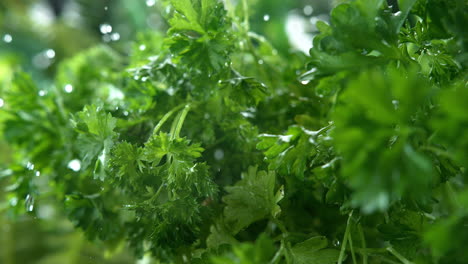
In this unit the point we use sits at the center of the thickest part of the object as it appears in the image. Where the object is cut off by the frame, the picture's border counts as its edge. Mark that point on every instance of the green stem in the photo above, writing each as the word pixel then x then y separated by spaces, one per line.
pixel 164 119
pixel 180 121
pixel 353 255
pixel 398 256
pixel 278 254
pixel 363 244
pixel 280 226
pixel 245 7
pixel 345 240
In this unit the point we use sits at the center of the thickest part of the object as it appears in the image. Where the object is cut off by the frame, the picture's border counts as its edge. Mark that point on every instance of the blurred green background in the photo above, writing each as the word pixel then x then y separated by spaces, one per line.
pixel 36 35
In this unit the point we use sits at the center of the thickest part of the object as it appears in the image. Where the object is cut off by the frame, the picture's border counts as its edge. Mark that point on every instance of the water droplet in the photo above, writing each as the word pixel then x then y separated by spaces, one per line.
pixel 68 88
pixel 171 91
pixel 74 165
pixel 308 10
pixel 336 242
pixel 219 154
pixel 38 173
pixel 105 28
pixel 395 104
pixel 106 38
pixel 43 59
pixel 106 8
pixel 305 82
pixel 286 138
pixel 115 36
pixel 125 113
pixel 2 102
pixel 42 93
pixel 7 38
pixel 150 2
pixel 13 201
pixel 142 47
pixel 50 53
pixel 30 166
pixel 29 203
pixel 247 114
pixel 260 62
pixel 266 17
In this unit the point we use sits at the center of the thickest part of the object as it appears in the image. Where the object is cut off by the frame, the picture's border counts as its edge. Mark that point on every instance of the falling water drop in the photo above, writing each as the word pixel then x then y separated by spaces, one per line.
pixel 308 10
pixel 29 203
pixel 68 88
pixel 7 38
pixel 50 53
pixel 30 166
pixel 219 154
pixel 115 36
pixel 74 165
pixel 105 28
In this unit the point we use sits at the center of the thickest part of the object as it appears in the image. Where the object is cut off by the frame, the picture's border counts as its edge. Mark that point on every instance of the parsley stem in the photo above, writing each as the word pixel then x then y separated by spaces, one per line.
pixel 180 121
pixel 353 255
pixel 278 254
pixel 345 240
pixel 398 256
pixel 165 117
pixel 245 7
pixel 363 244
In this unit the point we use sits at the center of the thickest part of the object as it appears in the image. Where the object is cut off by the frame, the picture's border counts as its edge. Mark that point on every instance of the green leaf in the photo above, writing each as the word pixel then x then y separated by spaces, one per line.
pixel 96 137
pixel 314 251
pixel 251 199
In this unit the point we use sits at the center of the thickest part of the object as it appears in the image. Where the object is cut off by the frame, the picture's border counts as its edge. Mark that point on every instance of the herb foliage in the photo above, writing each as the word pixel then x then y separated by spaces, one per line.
pixel 210 146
